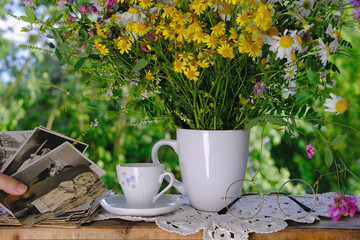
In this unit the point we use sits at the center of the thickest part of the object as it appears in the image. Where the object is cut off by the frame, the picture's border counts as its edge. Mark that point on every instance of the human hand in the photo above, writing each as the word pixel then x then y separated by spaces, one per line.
pixel 11 185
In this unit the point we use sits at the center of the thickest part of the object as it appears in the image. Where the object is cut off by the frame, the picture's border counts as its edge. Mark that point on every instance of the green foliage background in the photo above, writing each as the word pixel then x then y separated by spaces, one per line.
pixel 28 101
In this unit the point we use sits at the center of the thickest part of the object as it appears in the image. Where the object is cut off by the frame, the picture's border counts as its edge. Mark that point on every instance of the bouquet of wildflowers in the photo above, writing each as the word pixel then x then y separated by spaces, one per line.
pixel 205 64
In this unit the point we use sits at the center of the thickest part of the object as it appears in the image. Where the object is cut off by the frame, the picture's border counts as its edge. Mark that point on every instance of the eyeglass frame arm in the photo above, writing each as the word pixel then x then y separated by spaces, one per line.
pixel 226 208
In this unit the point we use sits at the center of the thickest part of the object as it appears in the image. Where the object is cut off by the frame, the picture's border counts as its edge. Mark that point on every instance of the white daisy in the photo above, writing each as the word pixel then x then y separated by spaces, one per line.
pixel 157 8
pixel 335 104
pixel 304 7
pixel 336 35
pixel 285 44
pixel 133 14
pixel 224 11
pixel 325 51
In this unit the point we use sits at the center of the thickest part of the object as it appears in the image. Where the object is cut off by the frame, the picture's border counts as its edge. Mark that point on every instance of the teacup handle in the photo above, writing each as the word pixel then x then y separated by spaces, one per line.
pixel 154 155
pixel 161 178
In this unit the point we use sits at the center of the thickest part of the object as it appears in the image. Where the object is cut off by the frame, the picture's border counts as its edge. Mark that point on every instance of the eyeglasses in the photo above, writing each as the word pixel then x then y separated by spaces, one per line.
pixel 295 198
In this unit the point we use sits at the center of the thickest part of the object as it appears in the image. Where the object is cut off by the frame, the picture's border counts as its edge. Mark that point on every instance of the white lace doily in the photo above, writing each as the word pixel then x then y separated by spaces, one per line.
pixel 187 220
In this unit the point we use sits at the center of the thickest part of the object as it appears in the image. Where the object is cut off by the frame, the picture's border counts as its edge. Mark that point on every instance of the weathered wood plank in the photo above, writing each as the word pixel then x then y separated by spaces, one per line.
pixel 345 229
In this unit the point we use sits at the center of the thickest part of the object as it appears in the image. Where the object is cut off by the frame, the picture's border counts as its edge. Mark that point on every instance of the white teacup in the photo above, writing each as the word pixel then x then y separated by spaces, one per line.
pixel 141 183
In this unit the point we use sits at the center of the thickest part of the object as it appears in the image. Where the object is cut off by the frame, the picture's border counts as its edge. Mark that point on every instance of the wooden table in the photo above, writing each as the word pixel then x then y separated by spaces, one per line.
pixel 344 229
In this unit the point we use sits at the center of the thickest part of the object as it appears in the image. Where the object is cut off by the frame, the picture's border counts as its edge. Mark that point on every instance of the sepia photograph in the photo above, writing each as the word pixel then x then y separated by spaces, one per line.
pixel 62 158
pixel 10 142
pixel 41 142
pixel 56 195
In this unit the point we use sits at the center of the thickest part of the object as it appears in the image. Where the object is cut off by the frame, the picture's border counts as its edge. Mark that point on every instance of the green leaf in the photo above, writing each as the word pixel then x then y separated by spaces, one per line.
pixel 24 29
pixel 25 19
pixel 302 111
pixel 140 64
pixel 251 123
pixel 79 64
pixel 338 140
pixel 276 120
pixel 30 15
pixel 329 158
pixel 58 54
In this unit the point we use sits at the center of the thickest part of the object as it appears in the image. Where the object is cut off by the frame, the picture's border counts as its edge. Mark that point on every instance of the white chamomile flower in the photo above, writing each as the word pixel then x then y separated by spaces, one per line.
pixel 291 72
pixel 325 51
pixel 133 14
pixel 157 8
pixel 304 7
pixel 335 104
pixel 224 11
pixel 273 1
pixel 285 44
pixel 336 35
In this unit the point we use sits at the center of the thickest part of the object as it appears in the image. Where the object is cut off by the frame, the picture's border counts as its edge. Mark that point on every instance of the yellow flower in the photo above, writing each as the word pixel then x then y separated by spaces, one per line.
pixel 218 30
pixel 169 32
pixel 149 75
pixel 233 34
pixel 211 41
pixel 244 44
pixel 242 18
pixel 179 66
pixel 203 64
pixel 103 50
pixel 192 73
pixel 140 28
pixel 123 44
pixel 226 51
pixel 255 50
pixel 144 4
pixel 168 12
pixel 100 31
pixel 186 56
pixel 130 26
pixel 253 29
pixel 196 26
pixel 199 37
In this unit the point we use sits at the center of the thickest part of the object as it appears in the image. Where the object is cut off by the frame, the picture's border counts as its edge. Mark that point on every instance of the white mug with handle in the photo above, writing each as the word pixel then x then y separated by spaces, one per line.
pixel 210 161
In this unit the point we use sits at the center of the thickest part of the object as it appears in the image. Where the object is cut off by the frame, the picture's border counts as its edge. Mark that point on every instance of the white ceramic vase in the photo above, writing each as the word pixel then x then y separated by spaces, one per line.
pixel 209 162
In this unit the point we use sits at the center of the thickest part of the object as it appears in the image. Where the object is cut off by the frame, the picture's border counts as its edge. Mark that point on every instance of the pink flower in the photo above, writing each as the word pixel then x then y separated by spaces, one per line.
pixel 29 3
pixel 310 150
pixel 62 3
pixel 151 36
pixel 71 18
pixel 109 92
pixel 342 206
pixel 66 34
pixel 91 32
pixel 84 9
pixel 144 48
pixel 94 9
pixel 82 47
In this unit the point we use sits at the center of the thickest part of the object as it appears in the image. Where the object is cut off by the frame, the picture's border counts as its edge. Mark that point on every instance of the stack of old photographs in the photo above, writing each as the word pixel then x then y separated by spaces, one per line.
pixel 64 185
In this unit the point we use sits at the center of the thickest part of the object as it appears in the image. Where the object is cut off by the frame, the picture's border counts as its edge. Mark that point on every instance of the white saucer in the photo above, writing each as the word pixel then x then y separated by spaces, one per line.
pixel 116 204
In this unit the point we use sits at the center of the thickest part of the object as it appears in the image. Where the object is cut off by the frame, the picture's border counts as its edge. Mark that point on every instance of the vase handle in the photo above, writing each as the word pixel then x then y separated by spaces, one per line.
pixel 154 155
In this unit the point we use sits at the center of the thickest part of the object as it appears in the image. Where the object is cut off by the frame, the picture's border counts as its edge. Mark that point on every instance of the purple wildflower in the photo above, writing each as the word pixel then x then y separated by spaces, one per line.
pixel 151 36
pixel 94 9
pixel 144 48
pixel 91 32
pixel 62 3
pixel 260 87
pixel 71 18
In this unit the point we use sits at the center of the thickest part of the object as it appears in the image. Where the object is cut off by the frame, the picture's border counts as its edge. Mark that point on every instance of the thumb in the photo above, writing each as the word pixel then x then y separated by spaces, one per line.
pixel 11 185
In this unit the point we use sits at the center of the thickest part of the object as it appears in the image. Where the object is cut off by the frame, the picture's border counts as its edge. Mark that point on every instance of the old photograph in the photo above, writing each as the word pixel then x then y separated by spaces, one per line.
pixel 41 142
pixel 62 158
pixel 56 195
pixel 10 142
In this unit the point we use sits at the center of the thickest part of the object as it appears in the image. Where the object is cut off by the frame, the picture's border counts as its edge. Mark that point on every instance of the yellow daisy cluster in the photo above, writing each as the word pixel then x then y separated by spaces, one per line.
pixel 191 36
pixel 101 47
